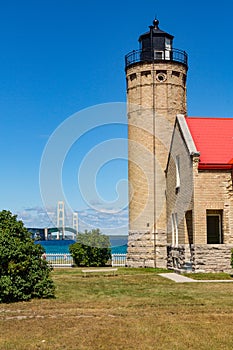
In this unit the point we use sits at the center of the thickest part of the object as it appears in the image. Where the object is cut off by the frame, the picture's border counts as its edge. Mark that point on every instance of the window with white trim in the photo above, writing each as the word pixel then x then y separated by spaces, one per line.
pixel 168 44
pixel 175 233
pixel 158 55
pixel 177 172
pixel 167 49
pixel 214 227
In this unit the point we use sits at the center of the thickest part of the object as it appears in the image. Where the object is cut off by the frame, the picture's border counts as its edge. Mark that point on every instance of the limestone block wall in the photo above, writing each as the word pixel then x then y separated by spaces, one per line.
pixel 146 88
pixel 179 199
pixel 212 191
pixel 156 93
pixel 141 168
pixel 176 257
pixel 200 192
pixel 204 258
pixel 211 257
pixel 141 249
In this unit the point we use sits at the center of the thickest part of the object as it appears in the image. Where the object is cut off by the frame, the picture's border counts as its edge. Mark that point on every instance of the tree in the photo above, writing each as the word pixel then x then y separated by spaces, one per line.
pixel 23 273
pixel 91 249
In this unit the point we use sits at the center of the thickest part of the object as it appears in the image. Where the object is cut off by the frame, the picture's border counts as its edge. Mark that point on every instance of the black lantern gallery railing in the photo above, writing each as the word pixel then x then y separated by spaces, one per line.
pixel 175 55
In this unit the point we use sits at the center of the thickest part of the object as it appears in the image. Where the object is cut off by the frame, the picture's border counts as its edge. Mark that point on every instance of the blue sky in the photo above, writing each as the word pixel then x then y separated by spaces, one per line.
pixel 59 58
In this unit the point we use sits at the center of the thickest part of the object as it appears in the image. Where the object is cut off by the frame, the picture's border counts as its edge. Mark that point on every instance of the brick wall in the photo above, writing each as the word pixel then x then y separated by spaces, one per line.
pixel 200 192
pixel 212 191
pixel 204 258
pixel 179 200
pixel 152 108
pixel 211 257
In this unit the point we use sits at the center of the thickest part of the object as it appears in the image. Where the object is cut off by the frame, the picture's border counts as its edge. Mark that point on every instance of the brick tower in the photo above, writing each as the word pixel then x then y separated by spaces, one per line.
pixel 156 93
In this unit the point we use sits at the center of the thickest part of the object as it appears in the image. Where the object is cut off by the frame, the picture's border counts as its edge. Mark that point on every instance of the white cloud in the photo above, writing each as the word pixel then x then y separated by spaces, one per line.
pixel 108 222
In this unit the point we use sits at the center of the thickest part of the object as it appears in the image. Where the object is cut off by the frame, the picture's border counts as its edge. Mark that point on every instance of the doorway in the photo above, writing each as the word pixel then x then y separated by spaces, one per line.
pixel 214 228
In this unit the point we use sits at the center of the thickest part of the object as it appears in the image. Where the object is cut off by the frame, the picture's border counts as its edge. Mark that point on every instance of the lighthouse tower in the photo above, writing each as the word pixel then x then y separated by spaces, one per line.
pixel 156 93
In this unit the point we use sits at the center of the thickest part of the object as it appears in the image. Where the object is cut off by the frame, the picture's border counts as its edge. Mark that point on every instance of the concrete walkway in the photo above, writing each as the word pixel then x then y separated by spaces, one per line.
pixel 183 279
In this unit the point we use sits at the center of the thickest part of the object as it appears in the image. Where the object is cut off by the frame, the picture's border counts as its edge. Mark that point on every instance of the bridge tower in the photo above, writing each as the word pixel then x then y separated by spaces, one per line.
pixel 75 222
pixel 60 219
pixel 156 93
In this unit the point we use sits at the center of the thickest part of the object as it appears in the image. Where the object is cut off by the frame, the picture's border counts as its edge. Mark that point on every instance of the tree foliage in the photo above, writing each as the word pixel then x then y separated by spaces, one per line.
pixel 23 273
pixel 91 249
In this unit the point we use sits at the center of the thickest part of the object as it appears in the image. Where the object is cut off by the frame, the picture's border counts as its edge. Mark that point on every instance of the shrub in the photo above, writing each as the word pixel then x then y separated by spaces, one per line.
pixel 23 273
pixel 232 258
pixel 91 249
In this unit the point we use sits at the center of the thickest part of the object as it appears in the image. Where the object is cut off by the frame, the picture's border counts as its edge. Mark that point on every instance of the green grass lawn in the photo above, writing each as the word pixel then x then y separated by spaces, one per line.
pixel 210 276
pixel 137 309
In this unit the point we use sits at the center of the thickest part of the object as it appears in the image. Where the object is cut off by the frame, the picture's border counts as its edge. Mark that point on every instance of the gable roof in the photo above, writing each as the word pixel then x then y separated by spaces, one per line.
pixel 213 138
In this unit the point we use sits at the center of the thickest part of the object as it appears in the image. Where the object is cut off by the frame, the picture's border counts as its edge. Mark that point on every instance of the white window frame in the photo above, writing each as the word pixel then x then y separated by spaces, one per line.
pixel 220 225
pixel 177 172
pixel 167 54
pixel 175 232
pixel 168 45
pixel 158 58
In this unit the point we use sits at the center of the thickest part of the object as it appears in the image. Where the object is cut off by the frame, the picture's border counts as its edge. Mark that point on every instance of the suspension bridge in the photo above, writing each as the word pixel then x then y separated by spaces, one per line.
pixel 60 231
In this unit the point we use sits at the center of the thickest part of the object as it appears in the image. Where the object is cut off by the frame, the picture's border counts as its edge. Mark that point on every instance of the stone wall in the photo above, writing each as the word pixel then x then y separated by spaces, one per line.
pixel 175 257
pixel 167 97
pixel 204 258
pixel 201 193
pixel 141 249
pixel 212 191
pixel 147 249
pixel 179 200
pixel 211 257
pixel 153 104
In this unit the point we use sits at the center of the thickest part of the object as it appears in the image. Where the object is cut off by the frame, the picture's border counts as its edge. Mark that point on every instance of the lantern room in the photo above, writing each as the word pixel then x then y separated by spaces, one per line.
pixel 156 44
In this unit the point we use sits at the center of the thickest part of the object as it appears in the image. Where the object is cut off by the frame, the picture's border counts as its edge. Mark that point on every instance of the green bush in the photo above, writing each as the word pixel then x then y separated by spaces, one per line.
pixel 23 273
pixel 232 258
pixel 91 249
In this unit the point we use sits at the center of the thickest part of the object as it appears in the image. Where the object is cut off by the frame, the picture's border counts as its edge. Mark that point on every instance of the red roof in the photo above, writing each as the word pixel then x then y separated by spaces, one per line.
pixel 213 138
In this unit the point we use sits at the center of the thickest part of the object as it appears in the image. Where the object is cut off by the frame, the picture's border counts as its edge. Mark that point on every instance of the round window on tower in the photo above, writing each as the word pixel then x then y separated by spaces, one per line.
pixel 161 77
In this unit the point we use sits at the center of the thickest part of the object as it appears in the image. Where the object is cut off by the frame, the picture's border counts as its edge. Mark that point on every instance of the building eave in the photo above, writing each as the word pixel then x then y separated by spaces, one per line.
pixel 209 166
pixel 184 130
pixel 187 135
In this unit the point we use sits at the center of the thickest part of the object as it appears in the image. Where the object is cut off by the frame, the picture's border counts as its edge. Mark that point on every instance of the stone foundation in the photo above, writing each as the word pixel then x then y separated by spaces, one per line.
pixel 161 249
pixel 211 257
pixel 176 257
pixel 200 258
pixel 146 249
pixel 140 252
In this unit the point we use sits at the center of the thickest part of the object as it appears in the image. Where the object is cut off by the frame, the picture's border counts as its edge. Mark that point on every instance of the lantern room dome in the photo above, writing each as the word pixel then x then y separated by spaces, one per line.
pixel 156 45
pixel 155 31
pixel 155 39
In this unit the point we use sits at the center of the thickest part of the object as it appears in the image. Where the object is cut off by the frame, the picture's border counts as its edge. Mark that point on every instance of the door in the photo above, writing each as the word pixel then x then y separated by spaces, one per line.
pixel 214 229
